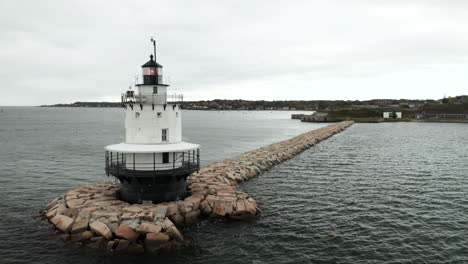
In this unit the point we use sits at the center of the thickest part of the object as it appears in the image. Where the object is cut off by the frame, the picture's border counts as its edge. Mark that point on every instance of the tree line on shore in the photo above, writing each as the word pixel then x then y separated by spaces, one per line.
pixel 458 103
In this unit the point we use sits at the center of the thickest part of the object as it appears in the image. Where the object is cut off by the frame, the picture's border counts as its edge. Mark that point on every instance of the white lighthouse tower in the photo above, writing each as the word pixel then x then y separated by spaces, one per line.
pixel 153 162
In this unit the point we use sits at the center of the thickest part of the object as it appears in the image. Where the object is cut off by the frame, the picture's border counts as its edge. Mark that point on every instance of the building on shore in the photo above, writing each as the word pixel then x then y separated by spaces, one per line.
pixel 392 114
pixel 446 115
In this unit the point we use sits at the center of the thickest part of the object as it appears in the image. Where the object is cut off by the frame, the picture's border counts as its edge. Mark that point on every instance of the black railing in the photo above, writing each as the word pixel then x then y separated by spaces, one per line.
pixel 150 98
pixel 183 163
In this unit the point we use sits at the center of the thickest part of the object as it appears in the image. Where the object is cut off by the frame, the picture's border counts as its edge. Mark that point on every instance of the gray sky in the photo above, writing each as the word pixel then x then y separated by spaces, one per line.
pixel 67 51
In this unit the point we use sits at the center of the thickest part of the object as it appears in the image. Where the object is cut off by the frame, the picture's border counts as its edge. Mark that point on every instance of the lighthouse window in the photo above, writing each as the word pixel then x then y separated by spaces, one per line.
pixel 164 134
pixel 165 157
pixel 149 71
pixel 159 114
pixel 176 114
pixel 137 114
pixel 155 89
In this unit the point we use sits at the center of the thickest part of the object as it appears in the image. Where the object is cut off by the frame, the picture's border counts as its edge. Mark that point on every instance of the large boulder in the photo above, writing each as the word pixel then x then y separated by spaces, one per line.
pixel 160 212
pixel 82 236
pixel 123 231
pixel 175 233
pixel 101 229
pixel 185 206
pixel 70 212
pixel 192 217
pixel 195 200
pixel 51 213
pixel 80 226
pixel 148 228
pixel 218 209
pixel 172 209
pixel 177 219
pixel 75 203
pixel 155 241
pixel 62 222
pixel 133 209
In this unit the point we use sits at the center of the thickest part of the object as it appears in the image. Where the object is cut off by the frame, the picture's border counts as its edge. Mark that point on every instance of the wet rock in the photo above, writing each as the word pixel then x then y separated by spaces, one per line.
pixel 195 201
pixel 53 203
pixel 101 229
pixel 218 209
pixel 167 223
pixel 133 209
pixel 61 208
pixel 122 246
pixel 172 209
pixel 113 227
pixel 96 214
pixel 80 226
pixel 192 218
pixel 111 244
pixel 129 216
pixel 160 212
pixel 175 233
pixel 50 214
pixel 133 224
pixel 62 222
pixel 185 207
pixel 134 248
pixel 155 241
pixel 206 208
pixel 145 228
pixel 83 236
pixel 177 219
pixel 85 213
pixel 98 243
pixel 70 212
pixel 75 203
pixel 126 232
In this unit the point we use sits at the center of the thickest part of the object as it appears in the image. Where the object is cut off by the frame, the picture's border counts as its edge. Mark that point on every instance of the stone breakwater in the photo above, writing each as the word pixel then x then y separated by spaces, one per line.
pixel 92 215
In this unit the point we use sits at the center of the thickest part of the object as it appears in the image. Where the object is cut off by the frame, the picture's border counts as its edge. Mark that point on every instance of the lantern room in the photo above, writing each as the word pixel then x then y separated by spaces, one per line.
pixel 152 72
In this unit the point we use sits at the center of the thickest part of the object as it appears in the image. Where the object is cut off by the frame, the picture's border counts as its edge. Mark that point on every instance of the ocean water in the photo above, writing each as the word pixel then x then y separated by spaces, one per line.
pixel 375 193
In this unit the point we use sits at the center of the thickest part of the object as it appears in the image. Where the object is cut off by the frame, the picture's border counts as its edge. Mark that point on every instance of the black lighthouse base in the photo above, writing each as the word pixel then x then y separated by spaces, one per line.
pixel 138 186
pixel 144 189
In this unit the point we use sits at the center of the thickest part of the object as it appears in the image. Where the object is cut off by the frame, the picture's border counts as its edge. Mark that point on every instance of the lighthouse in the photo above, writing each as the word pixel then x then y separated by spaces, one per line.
pixel 153 163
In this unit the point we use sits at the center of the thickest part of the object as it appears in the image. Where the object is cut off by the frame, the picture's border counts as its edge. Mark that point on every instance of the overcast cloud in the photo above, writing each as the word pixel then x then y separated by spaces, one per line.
pixel 67 51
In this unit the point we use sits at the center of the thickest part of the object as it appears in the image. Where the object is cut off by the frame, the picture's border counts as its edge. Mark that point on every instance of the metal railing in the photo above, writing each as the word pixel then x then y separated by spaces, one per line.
pixel 150 98
pixel 183 163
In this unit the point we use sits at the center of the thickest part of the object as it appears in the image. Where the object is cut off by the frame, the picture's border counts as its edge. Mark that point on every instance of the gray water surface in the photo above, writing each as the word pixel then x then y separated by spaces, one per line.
pixel 375 193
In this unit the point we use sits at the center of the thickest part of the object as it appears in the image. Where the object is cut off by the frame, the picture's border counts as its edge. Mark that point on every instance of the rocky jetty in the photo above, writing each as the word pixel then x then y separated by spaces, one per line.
pixel 92 215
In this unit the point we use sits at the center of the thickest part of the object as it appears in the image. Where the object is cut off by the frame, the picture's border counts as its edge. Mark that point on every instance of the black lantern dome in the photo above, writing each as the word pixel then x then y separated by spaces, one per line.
pixel 152 72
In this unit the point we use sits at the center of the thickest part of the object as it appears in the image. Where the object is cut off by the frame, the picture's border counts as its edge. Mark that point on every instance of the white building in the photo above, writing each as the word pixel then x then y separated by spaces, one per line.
pixel 153 162
pixel 392 115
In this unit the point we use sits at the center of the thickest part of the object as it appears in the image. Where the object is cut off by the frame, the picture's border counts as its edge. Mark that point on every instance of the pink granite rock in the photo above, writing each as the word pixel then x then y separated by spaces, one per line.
pixel 82 236
pixel 148 228
pixel 195 200
pixel 80 226
pixel 133 209
pixel 155 241
pixel 75 203
pixel 62 222
pixel 101 229
pixel 123 231
pixel 172 209
pixel 192 217
pixel 185 206
pixel 175 233
pixel 218 209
